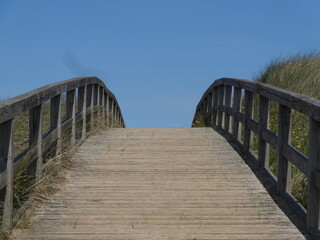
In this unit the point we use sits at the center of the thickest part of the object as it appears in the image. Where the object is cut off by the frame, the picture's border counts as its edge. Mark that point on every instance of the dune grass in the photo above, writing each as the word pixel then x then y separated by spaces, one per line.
pixel 29 193
pixel 298 73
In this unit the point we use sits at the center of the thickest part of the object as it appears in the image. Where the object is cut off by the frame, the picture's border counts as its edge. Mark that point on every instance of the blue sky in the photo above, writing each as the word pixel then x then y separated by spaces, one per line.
pixel 158 57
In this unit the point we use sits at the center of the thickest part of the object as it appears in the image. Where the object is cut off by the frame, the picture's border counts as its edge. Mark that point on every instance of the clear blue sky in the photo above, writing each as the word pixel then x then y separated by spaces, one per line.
pixel 158 57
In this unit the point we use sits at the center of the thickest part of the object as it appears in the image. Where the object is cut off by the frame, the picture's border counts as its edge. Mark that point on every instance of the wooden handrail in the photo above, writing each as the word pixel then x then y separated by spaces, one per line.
pixel 89 93
pixel 215 106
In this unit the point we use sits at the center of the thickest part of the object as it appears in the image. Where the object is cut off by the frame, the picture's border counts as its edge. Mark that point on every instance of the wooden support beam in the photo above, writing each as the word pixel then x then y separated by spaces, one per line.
pixel 71 113
pixel 227 103
pixel 248 105
pixel 220 104
pixel 82 107
pixel 313 217
pixel 263 151
pixel 55 121
pixel 236 109
pixel 214 106
pixel 35 136
pixel 284 166
pixel 6 154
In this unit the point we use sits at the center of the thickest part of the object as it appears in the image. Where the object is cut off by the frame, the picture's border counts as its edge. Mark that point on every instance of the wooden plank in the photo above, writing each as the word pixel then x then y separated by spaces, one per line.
pixel 284 166
pixel 236 109
pixel 248 104
pixel 227 103
pixel 313 166
pixel 6 150
pixel 215 104
pixel 209 110
pixel 159 183
pixel 220 104
pixel 35 136
pixel 263 151
pixel 82 106
pixel 55 121
pixel 71 114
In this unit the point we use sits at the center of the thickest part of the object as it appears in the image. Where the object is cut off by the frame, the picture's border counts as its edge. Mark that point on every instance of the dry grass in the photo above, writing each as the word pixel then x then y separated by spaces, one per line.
pixel 29 194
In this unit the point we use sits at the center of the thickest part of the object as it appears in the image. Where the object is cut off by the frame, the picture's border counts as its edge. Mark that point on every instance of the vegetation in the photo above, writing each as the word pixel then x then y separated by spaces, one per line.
pixel 301 74
pixel 29 193
pixel 298 73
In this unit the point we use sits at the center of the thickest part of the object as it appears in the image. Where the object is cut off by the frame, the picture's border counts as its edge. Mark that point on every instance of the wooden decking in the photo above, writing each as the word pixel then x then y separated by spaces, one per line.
pixel 160 184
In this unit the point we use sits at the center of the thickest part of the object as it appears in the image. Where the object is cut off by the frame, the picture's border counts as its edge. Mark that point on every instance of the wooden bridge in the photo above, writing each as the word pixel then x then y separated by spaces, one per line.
pixel 182 183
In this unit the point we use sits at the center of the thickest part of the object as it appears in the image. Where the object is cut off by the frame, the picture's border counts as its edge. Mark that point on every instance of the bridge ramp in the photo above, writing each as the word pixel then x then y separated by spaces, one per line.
pixel 182 183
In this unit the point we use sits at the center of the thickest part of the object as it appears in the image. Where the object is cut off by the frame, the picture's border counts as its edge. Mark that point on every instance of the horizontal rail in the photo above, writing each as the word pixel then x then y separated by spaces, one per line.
pixel 85 99
pixel 221 101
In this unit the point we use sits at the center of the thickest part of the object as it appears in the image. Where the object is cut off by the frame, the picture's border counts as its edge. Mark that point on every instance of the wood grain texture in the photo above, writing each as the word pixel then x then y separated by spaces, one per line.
pixel 159 184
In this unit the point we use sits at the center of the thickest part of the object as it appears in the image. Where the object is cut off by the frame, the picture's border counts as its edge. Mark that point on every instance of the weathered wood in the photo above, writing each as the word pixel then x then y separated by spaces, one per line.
pixel 263 151
pixel 6 150
pixel 82 108
pixel 313 166
pixel 55 121
pixel 236 109
pixel 220 103
pixel 35 136
pixel 209 110
pixel 227 103
pixel 103 106
pixel 92 103
pixel 248 104
pixel 214 106
pixel 284 166
pixel 169 183
pixel 71 114
pixel 108 110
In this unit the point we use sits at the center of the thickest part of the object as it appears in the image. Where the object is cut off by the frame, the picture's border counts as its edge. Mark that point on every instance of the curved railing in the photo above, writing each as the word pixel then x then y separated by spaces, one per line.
pixel 88 94
pixel 222 102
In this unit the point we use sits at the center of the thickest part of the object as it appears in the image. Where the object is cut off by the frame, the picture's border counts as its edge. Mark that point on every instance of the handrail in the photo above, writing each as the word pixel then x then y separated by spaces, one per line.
pixel 221 101
pixel 88 93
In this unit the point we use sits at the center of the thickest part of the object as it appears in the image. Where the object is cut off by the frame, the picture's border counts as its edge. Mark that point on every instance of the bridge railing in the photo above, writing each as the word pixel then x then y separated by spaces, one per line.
pixel 88 94
pixel 222 102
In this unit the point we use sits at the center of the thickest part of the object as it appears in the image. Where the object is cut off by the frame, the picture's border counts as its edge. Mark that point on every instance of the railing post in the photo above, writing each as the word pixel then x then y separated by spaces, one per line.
pixel 108 110
pixel 214 106
pixel 263 152
pixel 103 106
pixel 236 108
pixel 92 102
pixel 35 136
pixel 220 104
pixel 209 110
pixel 112 112
pixel 82 107
pixel 55 121
pixel 71 114
pixel 313 165
pixel 284 166
pixel 6 156
pixel 248 104
pixel 227 105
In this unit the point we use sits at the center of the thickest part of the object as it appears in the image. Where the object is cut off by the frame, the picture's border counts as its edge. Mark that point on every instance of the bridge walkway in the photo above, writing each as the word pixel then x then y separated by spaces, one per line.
pixel 160 184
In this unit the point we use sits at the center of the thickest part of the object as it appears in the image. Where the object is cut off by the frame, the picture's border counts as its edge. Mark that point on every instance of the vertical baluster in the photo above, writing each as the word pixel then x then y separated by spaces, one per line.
pixel 35 136
pixel 103 107
pixel 108 109
pixel 55 121
pixel 228 90
pixel 214 107
pixel 209 111
pixel 112 112
pixel 220 104
pixel 236 108
pixel 82 107
pixel 98 104
pixel 313 165
pixel 6 156
pixel 92 102
pixel 284 166
pixel 71 114
pixel 248 104
pixel 263 152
